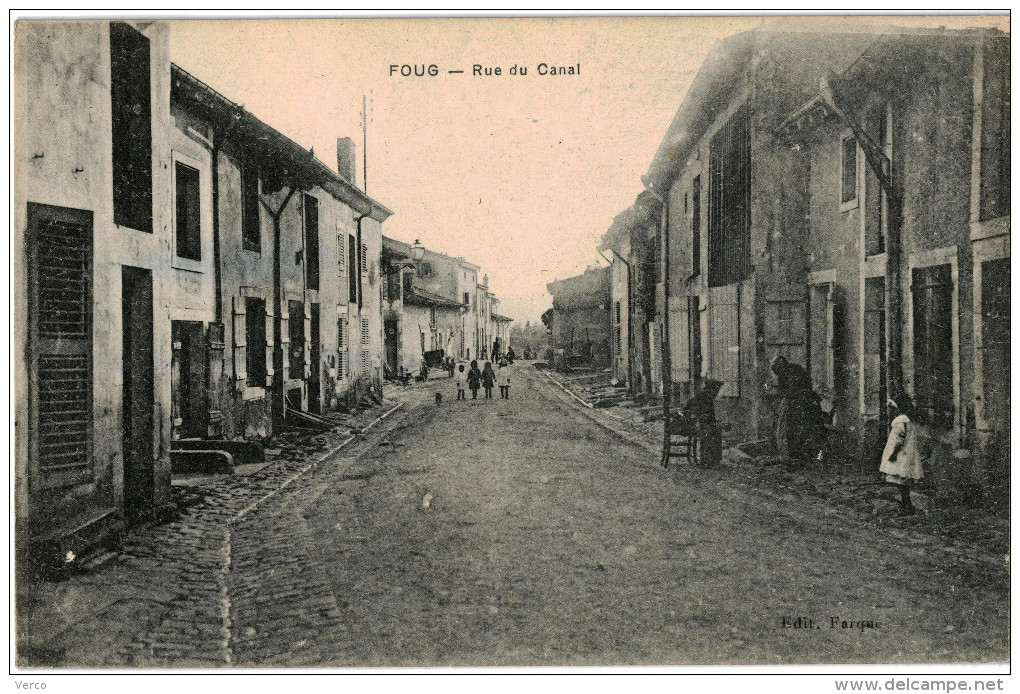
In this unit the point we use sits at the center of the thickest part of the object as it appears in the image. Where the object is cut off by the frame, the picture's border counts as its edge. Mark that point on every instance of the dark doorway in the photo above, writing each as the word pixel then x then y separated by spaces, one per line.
pixel 188 379
pixel 391 344
pixel 314 375
pixel 139 468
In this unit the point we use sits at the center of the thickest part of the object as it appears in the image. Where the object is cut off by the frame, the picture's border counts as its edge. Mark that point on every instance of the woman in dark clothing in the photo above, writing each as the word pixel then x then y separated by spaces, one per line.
pixel 488 379
pixel 474 379
pixel 800 415
pixel 701 408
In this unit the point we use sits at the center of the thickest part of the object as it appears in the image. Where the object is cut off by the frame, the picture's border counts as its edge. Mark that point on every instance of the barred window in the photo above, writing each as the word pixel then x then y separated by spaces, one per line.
pixel 729 208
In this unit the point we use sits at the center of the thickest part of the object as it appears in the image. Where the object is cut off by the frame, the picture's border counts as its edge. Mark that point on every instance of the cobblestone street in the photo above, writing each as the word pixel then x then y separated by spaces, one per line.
pixel 518 532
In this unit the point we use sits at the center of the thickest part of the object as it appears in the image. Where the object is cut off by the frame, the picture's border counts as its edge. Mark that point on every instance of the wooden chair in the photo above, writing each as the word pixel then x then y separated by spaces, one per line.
pixel 680 436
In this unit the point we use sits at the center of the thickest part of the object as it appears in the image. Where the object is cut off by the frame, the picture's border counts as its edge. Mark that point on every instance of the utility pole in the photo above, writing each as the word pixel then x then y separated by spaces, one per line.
pixel 364 141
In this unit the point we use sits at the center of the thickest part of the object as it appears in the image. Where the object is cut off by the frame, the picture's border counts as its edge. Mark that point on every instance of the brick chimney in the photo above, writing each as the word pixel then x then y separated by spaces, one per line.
pixel 347 159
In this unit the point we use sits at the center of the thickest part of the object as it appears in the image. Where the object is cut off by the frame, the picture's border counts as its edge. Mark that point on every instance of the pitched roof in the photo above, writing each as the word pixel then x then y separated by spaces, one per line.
pixel 295 162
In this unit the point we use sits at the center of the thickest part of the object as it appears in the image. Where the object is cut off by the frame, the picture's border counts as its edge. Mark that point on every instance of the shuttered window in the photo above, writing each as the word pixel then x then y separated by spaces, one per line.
pixel 364 258
pixel 341 249
pixel 729 202
pixel 679 337
pixel 343 368
pixel 696 226
pixel 821 330
pixel 255 332
pixel 932 291
pixel 995 342
pixel 240 333
pixel 352 276
pixel 251 229
pixel 364 345
pixel 296 326
pixel 131 114
pixel 874 346
pixel 311 241
pixel 848 169
pixel 60 341
pixel 724 339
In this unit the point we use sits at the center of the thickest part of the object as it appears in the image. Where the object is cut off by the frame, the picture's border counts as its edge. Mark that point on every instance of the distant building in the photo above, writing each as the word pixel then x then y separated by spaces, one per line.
pixel 581 319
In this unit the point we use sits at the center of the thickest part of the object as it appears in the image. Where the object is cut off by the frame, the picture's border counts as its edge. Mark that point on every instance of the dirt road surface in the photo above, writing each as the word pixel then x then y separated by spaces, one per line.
pixel 519 532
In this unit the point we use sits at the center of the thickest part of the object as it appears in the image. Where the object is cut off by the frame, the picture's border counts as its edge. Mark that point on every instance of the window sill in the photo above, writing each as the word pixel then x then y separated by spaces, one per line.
pixel 849 205
pixel 187 264
pixel 252 393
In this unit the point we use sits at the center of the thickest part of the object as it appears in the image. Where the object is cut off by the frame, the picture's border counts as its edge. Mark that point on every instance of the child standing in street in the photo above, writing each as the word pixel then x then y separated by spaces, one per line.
pixel 901 459
pixel 461 379
pixel 503 378
pixel 488 379
pixel 474 379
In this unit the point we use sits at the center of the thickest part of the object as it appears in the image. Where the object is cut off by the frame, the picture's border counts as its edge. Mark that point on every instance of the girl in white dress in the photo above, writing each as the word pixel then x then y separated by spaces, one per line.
pixel 901 459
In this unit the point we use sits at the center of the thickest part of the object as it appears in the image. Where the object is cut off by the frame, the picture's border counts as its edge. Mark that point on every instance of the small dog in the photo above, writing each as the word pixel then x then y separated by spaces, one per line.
pixel 439 398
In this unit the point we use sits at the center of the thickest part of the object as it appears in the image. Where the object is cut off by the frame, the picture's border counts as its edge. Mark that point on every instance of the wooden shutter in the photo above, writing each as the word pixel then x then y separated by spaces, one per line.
pixel 874 346
pixel 270 344
pixel 724 338
pixel 240 343
pixel 131 113
pixel 307 327
pixel 821 331
pixel 364 345
pixel 932 291
pixel 342 348
pixel 60 343
pixel 679 337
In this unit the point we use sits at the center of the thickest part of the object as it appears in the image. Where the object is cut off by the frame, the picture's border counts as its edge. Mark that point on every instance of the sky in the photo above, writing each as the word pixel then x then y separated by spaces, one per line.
pixel 520 174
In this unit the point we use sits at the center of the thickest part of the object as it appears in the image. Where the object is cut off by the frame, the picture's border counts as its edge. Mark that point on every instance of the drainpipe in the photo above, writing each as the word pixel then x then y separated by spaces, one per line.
pixel 667 362
pixel 882 167
pixel 278 402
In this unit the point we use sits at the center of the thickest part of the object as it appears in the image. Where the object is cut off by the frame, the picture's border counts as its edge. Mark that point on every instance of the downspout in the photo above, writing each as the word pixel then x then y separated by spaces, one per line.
pixel 278 402
pixel 667 365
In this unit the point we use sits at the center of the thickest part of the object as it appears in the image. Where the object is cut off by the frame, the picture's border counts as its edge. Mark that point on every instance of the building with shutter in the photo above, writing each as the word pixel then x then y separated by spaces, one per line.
pixel 92 216
pixel 912 292
pixel 289 300
pixel 581 324
pixel 633 239
pixel 736 219
pixel 857 225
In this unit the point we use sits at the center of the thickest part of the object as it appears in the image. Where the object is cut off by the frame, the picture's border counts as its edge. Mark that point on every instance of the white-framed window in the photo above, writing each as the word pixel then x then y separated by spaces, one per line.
pixel 190 184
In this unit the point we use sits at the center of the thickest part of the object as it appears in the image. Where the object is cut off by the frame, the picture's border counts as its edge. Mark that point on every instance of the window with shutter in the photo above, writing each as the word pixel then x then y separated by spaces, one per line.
pixel 364 258
pixel 60 342
pixel 251 228
pixel 240 331
pixel 255 338
pixel 352 276
pixel 724 339
pixel 729 202
pixel 343 362
pixel 932 291
pixel 341 249
pixel 296 326
pixel 821 333
pixel 311 206
pixel 679 336
pixel 995 343
pixel 131 115
pixel 874 346
pixel 364 345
